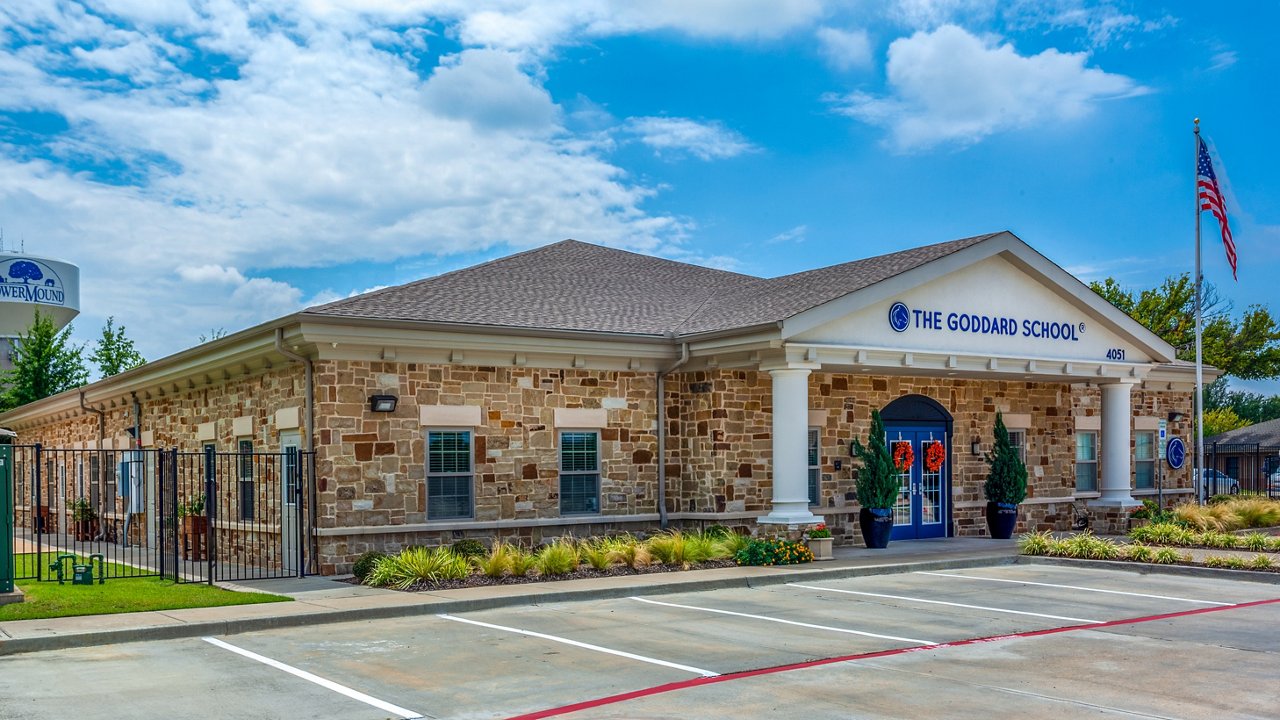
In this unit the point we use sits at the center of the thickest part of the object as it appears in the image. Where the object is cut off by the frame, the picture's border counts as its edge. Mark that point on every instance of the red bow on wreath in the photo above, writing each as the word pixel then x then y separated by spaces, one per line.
pixel 903 456
pixel 934 455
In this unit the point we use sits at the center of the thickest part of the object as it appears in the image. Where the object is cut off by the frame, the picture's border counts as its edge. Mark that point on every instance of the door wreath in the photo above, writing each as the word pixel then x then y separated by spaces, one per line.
pixel 935 454
pixel 903 456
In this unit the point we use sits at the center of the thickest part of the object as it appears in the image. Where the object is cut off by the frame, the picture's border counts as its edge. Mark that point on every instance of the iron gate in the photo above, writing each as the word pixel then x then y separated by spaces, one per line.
pixel 192 517
pixel 1244 468
pixel 238 516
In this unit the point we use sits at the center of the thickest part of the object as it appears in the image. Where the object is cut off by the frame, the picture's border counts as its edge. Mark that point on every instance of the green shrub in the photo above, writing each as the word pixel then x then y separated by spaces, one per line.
pixel 1254 541
pixel 1231 561
pixel 676 548
pixel 629 551
pixel 1219 540
pixel 718 531
pixel 596 554
pixel 522 561
pixel 1138 552
pixel 1036 543
pixel 1163 534
pixel 1167 556
pixel 1261 562
pixel 365 564
pixel 416 565
pixel 701 548
pixel 1088 546
pixel 1152 512
pixel 470 548
pixel 732 543
pixel 877 482
pixel 558 558
pixel 497 562
pixel 1273 544
pixel 773 551
pixel 1007 480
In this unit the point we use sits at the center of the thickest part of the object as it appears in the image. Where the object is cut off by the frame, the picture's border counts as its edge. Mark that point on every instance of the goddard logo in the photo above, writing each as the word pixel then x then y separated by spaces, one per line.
pixel 899 317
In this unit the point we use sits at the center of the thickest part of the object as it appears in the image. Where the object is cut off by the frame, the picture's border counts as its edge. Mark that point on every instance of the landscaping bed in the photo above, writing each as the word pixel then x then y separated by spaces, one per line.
pixel 48 599
pixel 469 563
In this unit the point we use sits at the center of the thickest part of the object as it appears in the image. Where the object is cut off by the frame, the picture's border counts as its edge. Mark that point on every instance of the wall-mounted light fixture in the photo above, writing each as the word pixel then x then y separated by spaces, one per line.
pixel 382 403
pixel 1175 416
pixel 976 447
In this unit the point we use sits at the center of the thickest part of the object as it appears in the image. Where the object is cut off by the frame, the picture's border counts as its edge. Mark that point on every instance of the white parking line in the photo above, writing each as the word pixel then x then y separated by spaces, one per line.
pixel 944 602
pixel 340 689
pixel 1074 587
pixel 588 646
pixel 786 622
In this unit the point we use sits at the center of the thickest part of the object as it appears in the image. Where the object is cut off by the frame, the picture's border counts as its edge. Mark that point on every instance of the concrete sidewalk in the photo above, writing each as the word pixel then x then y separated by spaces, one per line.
pixel 320 600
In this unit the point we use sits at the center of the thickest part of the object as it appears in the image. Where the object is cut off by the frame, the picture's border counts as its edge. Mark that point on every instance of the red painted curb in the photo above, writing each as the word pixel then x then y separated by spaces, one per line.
pixel 698 682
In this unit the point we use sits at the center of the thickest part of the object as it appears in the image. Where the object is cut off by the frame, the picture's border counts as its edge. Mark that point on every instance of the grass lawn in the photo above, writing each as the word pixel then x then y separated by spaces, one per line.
pixel 47 599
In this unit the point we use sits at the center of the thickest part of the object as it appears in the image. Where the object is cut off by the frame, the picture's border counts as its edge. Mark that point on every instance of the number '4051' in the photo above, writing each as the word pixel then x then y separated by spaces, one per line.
pixel 1115 354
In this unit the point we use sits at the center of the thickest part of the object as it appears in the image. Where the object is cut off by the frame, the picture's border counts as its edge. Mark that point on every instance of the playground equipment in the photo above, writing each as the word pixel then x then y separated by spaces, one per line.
pixel 81 574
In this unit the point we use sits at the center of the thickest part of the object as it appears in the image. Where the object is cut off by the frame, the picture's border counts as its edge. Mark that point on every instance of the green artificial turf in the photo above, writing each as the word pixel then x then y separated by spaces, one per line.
pixel 48 599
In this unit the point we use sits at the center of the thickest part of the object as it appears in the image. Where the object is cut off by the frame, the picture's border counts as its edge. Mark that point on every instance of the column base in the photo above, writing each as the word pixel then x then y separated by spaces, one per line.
pixel 1123 503
pixel 789 519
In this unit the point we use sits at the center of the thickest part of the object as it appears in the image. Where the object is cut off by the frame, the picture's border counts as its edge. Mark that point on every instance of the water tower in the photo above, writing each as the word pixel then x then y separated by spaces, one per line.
pixel 30 283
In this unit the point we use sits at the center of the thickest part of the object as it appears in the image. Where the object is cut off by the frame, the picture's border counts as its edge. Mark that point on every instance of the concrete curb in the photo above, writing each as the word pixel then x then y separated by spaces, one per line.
pixel 1266 578
pixel 13 646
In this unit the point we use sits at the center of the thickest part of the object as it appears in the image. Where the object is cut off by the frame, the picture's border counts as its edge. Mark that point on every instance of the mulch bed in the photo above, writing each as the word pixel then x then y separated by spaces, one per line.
pixel 583 572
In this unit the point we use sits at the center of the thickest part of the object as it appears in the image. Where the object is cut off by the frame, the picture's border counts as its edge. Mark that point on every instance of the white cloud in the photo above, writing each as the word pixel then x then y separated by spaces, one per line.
pixel 796 234
pixel 211 274
pixel 844 49
pixel 949 86
pixel 1223 59
pixel 1100 22
pixel 704 140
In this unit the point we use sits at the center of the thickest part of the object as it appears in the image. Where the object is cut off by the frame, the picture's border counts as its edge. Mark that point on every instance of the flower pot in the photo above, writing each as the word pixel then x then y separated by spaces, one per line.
pixel 1002 518
pixel 876 526
pixel 193 530
pixel 85 529
pixel 820 547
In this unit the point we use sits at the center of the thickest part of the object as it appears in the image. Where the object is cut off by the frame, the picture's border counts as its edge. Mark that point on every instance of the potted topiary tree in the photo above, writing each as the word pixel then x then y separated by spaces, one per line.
pixel 877 485
pixel 1006 484
pixel 84 520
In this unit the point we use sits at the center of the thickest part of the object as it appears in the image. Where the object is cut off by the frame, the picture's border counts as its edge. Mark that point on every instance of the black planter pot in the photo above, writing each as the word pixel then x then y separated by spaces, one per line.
pixel 1001 520
pixel 875 528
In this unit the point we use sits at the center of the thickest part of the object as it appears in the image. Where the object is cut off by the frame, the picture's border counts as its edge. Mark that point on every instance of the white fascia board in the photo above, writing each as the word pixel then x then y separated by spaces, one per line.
pixel 943 364
pixel 1012 249
pixel 362 339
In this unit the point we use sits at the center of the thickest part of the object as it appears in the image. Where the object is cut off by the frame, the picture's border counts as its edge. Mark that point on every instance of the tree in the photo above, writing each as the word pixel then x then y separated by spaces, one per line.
pixel 1007 481
pixel 877 484
pixel 25 271
pixel 214 334
pixel 1246 348
pixel 44 363
pixel 115 352
pixel 1249 407
pixel 1220 420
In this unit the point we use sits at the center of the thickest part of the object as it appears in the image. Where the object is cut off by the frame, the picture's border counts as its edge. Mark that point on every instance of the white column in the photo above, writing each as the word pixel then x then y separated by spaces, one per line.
pixel 1116 446
pixel 790 449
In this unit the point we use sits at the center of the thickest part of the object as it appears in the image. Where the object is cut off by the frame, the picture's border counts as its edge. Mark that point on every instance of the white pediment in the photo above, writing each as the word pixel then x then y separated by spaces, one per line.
pixel 1007 303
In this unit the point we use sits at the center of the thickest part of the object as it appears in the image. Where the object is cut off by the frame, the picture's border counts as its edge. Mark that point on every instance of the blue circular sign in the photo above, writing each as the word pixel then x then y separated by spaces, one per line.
pixel 899 317
pixel 1176 453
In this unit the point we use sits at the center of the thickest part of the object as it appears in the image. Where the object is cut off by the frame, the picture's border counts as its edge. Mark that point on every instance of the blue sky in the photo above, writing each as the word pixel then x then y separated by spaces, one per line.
pixel 219 163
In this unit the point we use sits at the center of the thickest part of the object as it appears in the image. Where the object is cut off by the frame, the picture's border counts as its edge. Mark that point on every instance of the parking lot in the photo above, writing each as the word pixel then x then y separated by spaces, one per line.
pixel 1024 640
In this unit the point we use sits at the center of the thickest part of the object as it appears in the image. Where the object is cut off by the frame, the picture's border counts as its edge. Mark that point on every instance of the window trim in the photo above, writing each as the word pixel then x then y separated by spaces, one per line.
pixel 1097 454
pixel 471 471
pixel 244 476
pixel 599 472
pixel 1149 461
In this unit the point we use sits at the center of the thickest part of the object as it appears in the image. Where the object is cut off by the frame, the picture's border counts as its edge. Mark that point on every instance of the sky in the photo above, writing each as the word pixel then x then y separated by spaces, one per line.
pixel 219 163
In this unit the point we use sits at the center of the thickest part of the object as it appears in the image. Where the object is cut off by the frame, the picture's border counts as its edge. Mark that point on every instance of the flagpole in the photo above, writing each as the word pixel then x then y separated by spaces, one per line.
pixel 1200 477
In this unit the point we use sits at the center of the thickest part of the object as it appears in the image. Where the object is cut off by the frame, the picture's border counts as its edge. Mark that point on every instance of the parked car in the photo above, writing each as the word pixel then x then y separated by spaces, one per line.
pixel 1217 482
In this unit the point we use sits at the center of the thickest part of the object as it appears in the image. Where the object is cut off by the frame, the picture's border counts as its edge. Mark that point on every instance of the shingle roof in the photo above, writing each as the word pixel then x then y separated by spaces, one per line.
pixel 572 285
pixel 1263 433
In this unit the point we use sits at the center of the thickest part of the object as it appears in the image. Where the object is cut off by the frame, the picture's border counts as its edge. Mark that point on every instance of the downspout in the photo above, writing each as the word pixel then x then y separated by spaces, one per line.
pixel 310 419
pixel 662 434
pixel 102 436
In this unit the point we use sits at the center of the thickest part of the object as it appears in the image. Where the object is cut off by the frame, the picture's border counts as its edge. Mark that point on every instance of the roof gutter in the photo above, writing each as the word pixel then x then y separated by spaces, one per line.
pixel 310 419
pixel 662 434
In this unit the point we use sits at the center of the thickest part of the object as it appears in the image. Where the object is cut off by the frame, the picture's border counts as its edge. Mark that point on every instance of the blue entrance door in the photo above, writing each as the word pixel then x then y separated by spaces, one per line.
pixel 921 511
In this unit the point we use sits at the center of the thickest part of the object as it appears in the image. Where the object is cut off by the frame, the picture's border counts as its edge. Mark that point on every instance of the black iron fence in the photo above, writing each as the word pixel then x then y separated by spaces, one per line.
pixel 1241 468
pixel 193 517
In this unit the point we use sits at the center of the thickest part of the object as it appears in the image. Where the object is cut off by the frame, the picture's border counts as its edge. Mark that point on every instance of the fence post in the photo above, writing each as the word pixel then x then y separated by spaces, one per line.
pixel 37 522
pixel 210 460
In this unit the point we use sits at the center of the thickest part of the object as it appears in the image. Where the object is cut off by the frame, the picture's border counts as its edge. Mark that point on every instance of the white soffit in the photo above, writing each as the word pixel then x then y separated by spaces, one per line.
pixel 450 415
pixel 998 278
pixel 581 417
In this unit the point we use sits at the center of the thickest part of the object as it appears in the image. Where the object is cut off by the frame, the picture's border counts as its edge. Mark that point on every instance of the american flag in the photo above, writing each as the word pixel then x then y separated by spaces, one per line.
pixel 1211 200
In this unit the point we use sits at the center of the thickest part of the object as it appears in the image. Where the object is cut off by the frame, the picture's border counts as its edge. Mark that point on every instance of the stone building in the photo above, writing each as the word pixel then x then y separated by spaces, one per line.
pixel 581 389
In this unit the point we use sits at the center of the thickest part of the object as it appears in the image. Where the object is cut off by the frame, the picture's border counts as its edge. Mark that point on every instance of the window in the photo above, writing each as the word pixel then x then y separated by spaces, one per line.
pixel 1086 461
pixel 449 475
pixel 579 472
pixel 1144 460
pixel 245 462
pixel 815 471
pixel 1018 439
